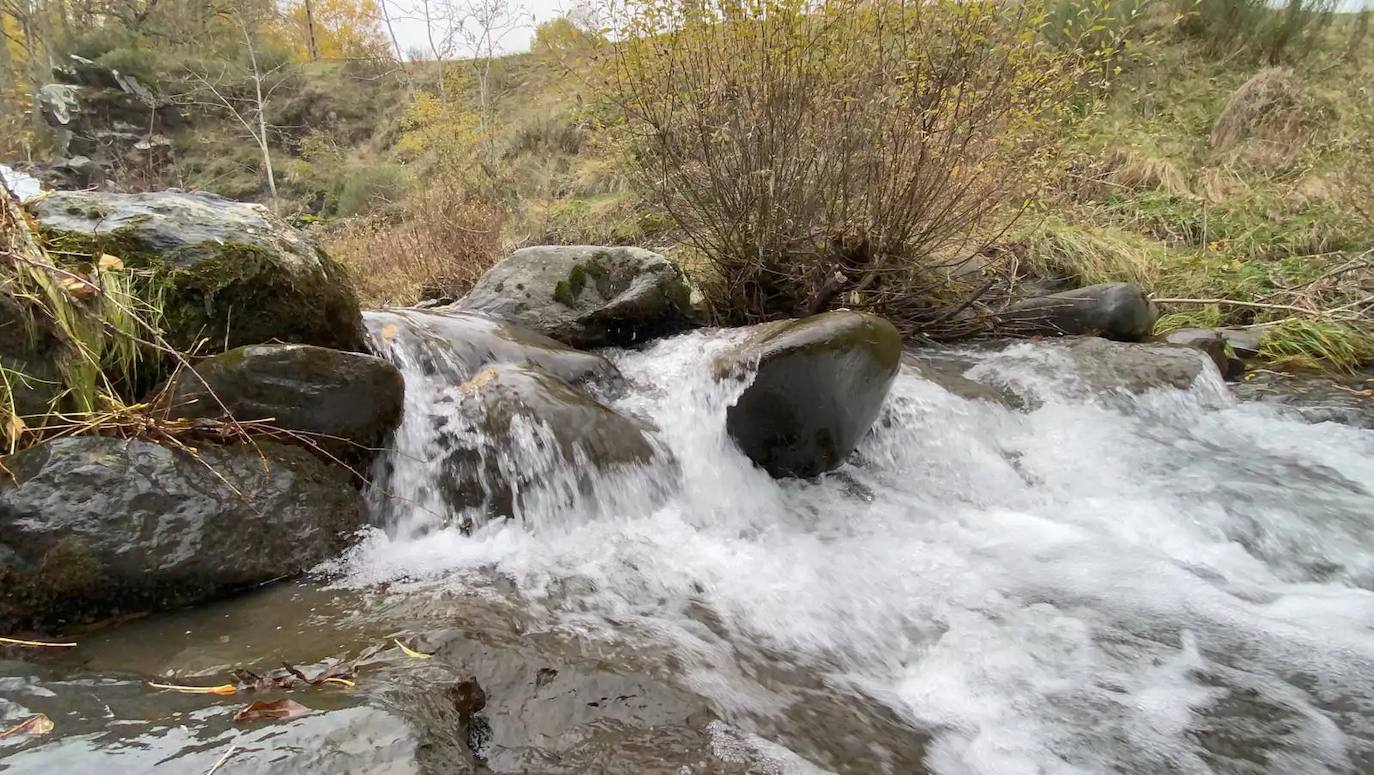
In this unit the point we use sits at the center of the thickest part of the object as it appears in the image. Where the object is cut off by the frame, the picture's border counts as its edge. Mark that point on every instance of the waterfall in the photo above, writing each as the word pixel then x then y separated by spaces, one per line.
pixel 1096 581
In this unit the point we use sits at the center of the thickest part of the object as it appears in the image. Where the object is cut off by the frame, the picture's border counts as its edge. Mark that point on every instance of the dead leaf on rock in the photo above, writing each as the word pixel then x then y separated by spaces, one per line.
pixel 270 711
pixel 37 724
pixel 77 289
pixel 389 332
pixel 410 652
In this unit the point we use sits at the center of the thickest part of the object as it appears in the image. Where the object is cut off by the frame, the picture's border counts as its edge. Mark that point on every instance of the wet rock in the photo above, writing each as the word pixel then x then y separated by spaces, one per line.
pixel 511 408
pixel 31 354
pixel 458 345
pixel 1119 311
pixel 949 374
pixel 1244 340
pixel 1090 367
pixel 819 385
pixel 99 526
pixel 586 296
pixel 350 397
pixel 233 273
pixel 1212 343
pixel 1314 398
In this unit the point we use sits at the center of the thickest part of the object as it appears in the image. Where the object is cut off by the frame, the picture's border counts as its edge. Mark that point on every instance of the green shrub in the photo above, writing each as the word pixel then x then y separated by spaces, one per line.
pixel 370 188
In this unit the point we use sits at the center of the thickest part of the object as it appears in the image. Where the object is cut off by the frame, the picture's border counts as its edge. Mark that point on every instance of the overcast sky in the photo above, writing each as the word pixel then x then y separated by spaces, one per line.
pixel 410 30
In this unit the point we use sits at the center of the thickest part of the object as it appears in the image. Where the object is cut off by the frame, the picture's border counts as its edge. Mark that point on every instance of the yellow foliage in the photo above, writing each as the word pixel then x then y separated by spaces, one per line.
pixel 344 29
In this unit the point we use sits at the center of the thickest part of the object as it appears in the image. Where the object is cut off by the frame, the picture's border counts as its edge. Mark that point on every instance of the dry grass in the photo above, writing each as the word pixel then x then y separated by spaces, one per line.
pixel 1135 172
pixel 1089 255
pixel 1267 121
pixel 436 248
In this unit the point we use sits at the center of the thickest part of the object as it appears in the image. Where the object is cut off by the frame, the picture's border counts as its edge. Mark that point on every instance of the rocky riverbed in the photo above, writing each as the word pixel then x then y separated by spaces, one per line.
pixel 556 527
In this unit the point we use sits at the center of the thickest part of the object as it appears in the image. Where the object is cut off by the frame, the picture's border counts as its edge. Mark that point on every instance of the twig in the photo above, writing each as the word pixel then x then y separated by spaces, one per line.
pixel 1253 304
pixel 232 747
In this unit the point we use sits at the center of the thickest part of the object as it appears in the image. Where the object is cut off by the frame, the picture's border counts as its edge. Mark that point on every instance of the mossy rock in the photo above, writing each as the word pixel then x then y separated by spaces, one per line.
pixel 586 296
pixel 92 527
pixel 227 273
pixel 816 385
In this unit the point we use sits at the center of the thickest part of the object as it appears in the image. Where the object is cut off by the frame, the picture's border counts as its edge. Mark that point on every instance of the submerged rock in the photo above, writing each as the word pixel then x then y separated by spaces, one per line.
pixel 232 273
pixel 1314 398
pixel 1087 367
pixel 356 399
pixel 534 436
pixel 458 345
pixel 818 386
pixel 1119 311
pixel 98 526
pixel 586 296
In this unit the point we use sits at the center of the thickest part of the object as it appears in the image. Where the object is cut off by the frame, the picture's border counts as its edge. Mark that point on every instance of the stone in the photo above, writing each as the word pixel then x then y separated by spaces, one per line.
pixel 1347 400
pixel 232 273
pixel 100 526
pixel 815 387
pixel 344 400
pixel 582 442
pixel 1212 343
pixel 586 296
pixel 1119 311
pixel 457 345
pixel 1244 341
pixel 1088 367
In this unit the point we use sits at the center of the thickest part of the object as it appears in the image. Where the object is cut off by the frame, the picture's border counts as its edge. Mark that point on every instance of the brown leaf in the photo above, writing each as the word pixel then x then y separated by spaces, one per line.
pixel 37 724
pixel 108 261
pixel 77 289
pixel 389 332
pixel 270 711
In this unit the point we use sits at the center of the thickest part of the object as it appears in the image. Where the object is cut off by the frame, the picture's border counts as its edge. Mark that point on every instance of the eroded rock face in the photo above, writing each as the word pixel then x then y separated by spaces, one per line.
pixel 585 296
pixel 1119 311
pixel 99 112
pixel 456 345
pixel 97 526
pixel 344 400
pixel 819 385
pixel 531 436
pixel 234 273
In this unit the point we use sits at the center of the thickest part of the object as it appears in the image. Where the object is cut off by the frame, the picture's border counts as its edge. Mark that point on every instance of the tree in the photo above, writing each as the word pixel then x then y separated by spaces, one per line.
pixel 337 29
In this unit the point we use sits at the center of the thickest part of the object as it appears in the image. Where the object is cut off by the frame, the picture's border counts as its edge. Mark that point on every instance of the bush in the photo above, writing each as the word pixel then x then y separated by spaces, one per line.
pixel 443 240
pixel 1269 33
pixel 370 188
pixel 840 152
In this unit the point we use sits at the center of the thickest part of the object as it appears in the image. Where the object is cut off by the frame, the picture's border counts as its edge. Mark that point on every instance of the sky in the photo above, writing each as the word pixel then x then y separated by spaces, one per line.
pixel 410 30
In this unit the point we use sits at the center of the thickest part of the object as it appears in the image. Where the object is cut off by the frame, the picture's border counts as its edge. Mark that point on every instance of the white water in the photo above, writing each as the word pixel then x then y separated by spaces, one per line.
pixel 1168 583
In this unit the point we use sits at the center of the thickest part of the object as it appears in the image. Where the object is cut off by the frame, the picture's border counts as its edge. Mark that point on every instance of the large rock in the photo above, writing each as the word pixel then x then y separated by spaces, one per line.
pixel 99 112
pixel 586 296
pixel 1119 311
pixel 818 384
pixel 1212 343
pixel 456 345
pixel 534 442
pixel 342 400
pixel 231 273
pixel 95 526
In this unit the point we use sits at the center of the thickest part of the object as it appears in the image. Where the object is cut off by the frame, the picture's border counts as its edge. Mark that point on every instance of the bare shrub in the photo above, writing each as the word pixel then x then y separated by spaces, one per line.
pixel 843 152
pixel 443 240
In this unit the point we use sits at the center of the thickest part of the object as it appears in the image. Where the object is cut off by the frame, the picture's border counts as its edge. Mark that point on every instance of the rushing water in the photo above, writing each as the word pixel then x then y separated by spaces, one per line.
pixel 1170 582
pixel 1094 582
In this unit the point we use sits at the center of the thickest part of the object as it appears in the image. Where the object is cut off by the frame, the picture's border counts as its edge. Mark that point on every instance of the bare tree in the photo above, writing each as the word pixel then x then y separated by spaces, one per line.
pixel 250 112
pixel 484 27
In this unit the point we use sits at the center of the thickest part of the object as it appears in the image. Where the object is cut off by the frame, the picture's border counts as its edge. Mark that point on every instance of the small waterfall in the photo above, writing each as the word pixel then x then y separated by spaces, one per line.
pixel 1162 580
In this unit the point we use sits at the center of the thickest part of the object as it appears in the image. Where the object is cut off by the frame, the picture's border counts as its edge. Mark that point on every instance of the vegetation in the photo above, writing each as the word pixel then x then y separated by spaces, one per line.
pixel 1219 152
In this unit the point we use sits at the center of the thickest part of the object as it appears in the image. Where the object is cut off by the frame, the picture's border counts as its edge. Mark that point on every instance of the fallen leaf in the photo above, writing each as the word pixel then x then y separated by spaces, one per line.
pixel 410 652
pixel 389 332
pixel 221 689
pixel 270 711
pixel 78 289
pixel 36 643
pixel 108 261
pixel 15 427
pixel 37 724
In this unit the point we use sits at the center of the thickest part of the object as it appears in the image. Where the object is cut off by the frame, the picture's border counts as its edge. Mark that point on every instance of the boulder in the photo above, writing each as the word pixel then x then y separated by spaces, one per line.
pixel 1119 311
pixel 586 296
pixel 1245 341
pixel 1086 367
pixel 815 387
pixel 231 273
pixel 99 526
pixel 31 353
pixel 1212 343
pixel 532 440
pixel 344 400
pixel 456 345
